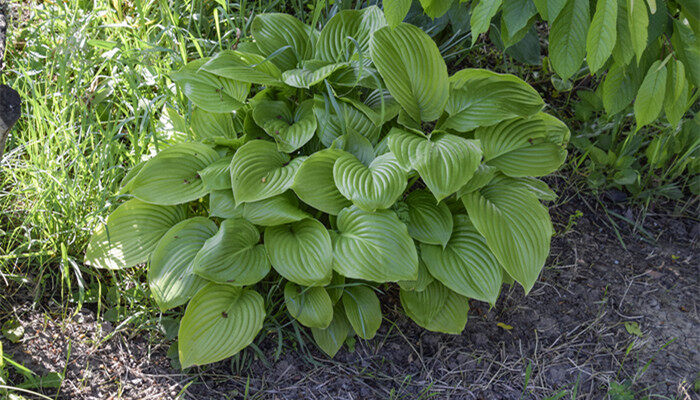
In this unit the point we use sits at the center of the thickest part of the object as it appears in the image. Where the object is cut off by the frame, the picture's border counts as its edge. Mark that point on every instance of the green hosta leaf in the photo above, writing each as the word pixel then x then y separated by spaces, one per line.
pixel 362 310
pixel 357 145
pixel 274 31
pixel 332 120
pixel 481 17
pixel 244 67
pixel 428 221
pixel 217 175
pixel 466 264
pixel 567 37
pixel 222 205
pixel 424 279
pixel 602 34
pixel 331 339
pixel 532 185
pixel 206 124
pixel 208 91
pixel 396 11
pixel 436 308
pixel 314 183
pixel 170 273
pixel 413 70
pixel 335 288
pixel 445 162
pixel 311 74
pixel 277 210
pixel 516 226
pixel 521 147
pixel 480 98
pixel 334 43
pixel 233 255
pixel 374 247
pixel 619 89
pixel 370 188
pixel 259 171
pixel 483 175
pixel 650 97
pixel 130 235
pixel 638 22
pixel 219 321
pixel 172 177
pixel 676 101
pixel 291 130
pixel 301 252
pixel 311 306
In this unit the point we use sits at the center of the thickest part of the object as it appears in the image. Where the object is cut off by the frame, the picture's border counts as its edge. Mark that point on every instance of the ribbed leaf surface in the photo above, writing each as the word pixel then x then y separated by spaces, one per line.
pixel 172 176
pixel 314 183
pixel 273 31
pixel 436 308
pixel 311 74
pixel 208 91
pixel 311 306
pixel 259 171
pixel 466 265
pixel 424 279
pixel 331 339
pixel 244 67
pixel 374 247
pixel 428 221
pixel 171 275
pixel 301 252
pixel 362 310
pixel 372 187
pixel 444 161
pixel 277 210
pixel 219 321
pixel 222 205
pixel 516 226
pixel 206 124
pixel 334 43
pixel 413 70
pixel 290 129
pixel 481 98
pixel 130 235
pixel 217 175
pixel 233 255
pixel 333 123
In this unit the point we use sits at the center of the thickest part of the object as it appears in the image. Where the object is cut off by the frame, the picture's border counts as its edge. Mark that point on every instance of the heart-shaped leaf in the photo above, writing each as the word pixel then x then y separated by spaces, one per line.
pixel 374 246
pixel 219 321
pixel 516 226
pixel 428 221
pixel 208 91
pixel 362 310
pixel 217 175
pixel 222 205
pixel 170 273
pixel 466 265
pixel 331 339
pixel 424 279
pixel 208 125
pixel 370 188
pixel 130 234
pixel 338 39
pixel 311 74
pixel 233 255
pixel 444 161
pixel 311 306
pixel 522 146
pixel 413 70
pixel 483 175
pixel 172 176
pixel 291 130
pixel 436 308
pixel 259 171
pixel 244 67
pixel 277 210
pixel 275 31
pixel 314 183
pixel 301 252
pixel 481 98
pixel 340 117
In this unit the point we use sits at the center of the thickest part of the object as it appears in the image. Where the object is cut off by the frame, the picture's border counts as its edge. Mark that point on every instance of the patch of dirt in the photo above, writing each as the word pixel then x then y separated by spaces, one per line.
pixel 569 331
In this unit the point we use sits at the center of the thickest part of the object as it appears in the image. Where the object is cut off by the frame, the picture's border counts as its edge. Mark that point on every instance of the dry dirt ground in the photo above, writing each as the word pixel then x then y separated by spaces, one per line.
pixel 573 332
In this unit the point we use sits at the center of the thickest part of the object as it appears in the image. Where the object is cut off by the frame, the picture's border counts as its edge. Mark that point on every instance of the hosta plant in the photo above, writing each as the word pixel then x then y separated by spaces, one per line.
pixel 337 161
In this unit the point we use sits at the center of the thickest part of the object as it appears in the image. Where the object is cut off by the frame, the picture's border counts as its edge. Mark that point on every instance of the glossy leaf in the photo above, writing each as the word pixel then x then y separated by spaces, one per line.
pixel 362 310
pixel 331 339
pixel 131 233
pixel 171 275
pixel 301 252
pixel 244 67
pixel 396 11
pixel 436 308
pixel 374 247
pixel 311 306
pixel 216 176
pixel 311 74
pixel 413 70
pixel 208 91
pixel 222 205
pixel 233 255
pixel 315 185
pixel 277 210
pixel 275 31
pixel 372 187
pixel 291 129
pixel 428 221
pixel 335 43
pixel 219 321
pixel 424 279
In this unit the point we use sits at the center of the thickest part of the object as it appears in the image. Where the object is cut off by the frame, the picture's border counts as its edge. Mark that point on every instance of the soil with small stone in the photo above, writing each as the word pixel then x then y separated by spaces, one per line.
pixel 574 331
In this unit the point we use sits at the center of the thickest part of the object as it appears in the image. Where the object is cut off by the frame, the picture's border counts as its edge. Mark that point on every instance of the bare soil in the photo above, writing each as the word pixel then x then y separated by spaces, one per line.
pixel 570 331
